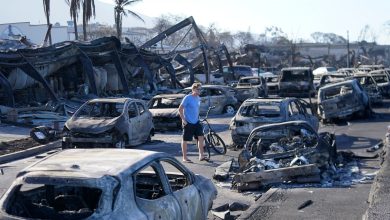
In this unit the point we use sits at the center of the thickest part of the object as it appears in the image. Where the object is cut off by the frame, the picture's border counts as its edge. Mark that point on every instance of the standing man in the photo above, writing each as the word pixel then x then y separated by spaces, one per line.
pixel 189 114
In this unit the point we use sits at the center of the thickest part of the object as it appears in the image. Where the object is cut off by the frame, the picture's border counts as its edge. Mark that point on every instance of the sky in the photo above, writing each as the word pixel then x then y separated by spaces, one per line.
pixel 297 18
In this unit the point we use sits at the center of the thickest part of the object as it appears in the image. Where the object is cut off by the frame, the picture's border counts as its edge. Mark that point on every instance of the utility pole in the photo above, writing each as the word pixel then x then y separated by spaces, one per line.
pixel 347 48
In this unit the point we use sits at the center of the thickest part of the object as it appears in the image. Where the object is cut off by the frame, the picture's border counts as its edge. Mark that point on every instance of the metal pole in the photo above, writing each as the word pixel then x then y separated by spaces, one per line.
pixel 348 49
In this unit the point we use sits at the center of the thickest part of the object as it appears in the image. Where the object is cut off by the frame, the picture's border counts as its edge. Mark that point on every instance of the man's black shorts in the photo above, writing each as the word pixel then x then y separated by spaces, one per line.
pixel 192 130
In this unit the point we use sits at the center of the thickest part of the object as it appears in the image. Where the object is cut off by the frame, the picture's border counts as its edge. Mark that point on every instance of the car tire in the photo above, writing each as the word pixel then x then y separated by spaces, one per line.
pixel 229 109
pixel 65 145
pixel 121 143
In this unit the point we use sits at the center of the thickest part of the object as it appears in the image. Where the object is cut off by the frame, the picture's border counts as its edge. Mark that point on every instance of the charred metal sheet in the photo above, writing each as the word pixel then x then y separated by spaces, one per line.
pixel 8 97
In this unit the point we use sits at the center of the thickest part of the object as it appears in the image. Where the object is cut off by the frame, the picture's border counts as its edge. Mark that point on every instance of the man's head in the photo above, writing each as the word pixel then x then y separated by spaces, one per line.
pixel 196 88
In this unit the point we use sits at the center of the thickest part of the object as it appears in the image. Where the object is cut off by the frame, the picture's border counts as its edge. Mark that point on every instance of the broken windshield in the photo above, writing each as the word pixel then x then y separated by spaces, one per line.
pixel 44 201
pixel 295 75
pixel 165 103
pixel 270 110
pixel 101 110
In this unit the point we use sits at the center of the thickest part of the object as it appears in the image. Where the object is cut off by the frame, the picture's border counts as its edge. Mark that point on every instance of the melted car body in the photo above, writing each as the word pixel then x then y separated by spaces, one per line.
pixel 109 122
pixel 108 184
pixel 251 87
pixel 343 99
pixel 257 112
pixel 165 111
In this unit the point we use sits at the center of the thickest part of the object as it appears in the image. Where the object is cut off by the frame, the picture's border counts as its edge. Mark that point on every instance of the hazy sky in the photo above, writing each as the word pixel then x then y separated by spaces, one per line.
pixel 297 18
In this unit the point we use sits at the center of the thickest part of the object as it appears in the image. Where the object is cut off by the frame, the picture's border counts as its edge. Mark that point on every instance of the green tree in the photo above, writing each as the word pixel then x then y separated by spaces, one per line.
pixel 74 6
pixel 46 7
pixel 120 10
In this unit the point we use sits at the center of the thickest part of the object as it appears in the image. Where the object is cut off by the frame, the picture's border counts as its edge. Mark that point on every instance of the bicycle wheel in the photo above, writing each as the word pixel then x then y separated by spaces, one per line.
pixel 216 143
pixel 207 148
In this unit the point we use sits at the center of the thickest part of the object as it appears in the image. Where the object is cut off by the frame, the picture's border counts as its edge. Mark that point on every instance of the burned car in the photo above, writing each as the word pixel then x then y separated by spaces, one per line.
pixel 257 112
pixel 382 80
pixel 329 79
pixel 272 85
pixel 288 151
pixel 296 81
pixel 370 86
pixel 251 87
pixel 109 122
pixel 222 97
pixel 108 184
pixel 342 99
pixel 165 111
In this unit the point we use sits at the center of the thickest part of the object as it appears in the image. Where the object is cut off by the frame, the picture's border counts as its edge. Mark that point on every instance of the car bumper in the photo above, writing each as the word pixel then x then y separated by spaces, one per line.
pixel 97 140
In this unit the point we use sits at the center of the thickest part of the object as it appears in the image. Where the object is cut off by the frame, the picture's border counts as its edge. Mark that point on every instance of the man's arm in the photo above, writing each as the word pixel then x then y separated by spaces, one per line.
pixel 181 113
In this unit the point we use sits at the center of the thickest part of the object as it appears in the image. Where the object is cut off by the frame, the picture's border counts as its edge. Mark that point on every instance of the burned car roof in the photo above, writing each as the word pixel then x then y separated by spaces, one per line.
pixel 94 163
pixel 296 68
pixel 338 83
pixel 256 100
pixel 113 100
pixel 179 95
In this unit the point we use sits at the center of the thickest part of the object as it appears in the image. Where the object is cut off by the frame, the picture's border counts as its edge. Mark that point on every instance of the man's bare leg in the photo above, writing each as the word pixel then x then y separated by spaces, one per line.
pixel 184 150
pixel 201 146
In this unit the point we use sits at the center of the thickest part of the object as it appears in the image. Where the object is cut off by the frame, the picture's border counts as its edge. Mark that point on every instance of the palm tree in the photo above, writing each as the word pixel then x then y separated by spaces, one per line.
pixel 46 7
pixel 74 13
pixel 119 11
pixel 88 11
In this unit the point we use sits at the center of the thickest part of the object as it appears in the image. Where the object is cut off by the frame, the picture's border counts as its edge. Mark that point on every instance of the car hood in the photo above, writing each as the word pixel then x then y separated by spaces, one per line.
pixel 91 125
pixel 167 112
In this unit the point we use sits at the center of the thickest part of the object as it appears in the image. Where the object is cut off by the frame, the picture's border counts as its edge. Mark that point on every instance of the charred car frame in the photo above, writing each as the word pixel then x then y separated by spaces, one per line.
pixel 108 184
pixel 109 122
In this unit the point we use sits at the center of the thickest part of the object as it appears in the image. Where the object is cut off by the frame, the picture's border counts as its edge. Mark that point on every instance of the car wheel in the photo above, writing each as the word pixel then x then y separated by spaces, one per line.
pixel 121 143
pixel 149 139
pixel 229 109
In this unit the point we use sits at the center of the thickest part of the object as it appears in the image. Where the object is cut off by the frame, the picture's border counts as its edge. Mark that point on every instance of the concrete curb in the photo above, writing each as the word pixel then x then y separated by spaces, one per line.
pixel 29 152
pixel 379 198
pixel 248 213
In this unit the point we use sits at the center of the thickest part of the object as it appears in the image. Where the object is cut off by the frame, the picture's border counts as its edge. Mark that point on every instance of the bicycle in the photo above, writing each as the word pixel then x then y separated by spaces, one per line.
pixel 212 139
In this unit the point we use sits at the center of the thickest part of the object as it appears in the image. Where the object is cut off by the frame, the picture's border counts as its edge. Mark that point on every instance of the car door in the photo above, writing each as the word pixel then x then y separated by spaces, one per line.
pixel 295 112
pixel 146 123
pixel 153 194
pixel 311 118
pixel 183 189
pixel 134 123
pixel 204 101
pixel 217 99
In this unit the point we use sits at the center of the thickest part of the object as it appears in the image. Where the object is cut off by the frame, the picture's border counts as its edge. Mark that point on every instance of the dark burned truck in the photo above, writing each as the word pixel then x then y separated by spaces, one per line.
pixel 109 122
pixel 296 82
pixel 343 99
pixel 283 152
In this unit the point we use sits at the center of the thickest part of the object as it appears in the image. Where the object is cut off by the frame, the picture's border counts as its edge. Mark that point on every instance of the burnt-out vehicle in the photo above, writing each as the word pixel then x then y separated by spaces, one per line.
pixel 108 184
pixel 251 87
pixel 257 112
pixel 370 86
pixel 296 82
pixel 382 80
pixel 291 139
pixel 343 99
pixel 109 122
pixel 222 97
pixel 284 152
pixel 272 85
pixel 165 111
pixel 330 78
